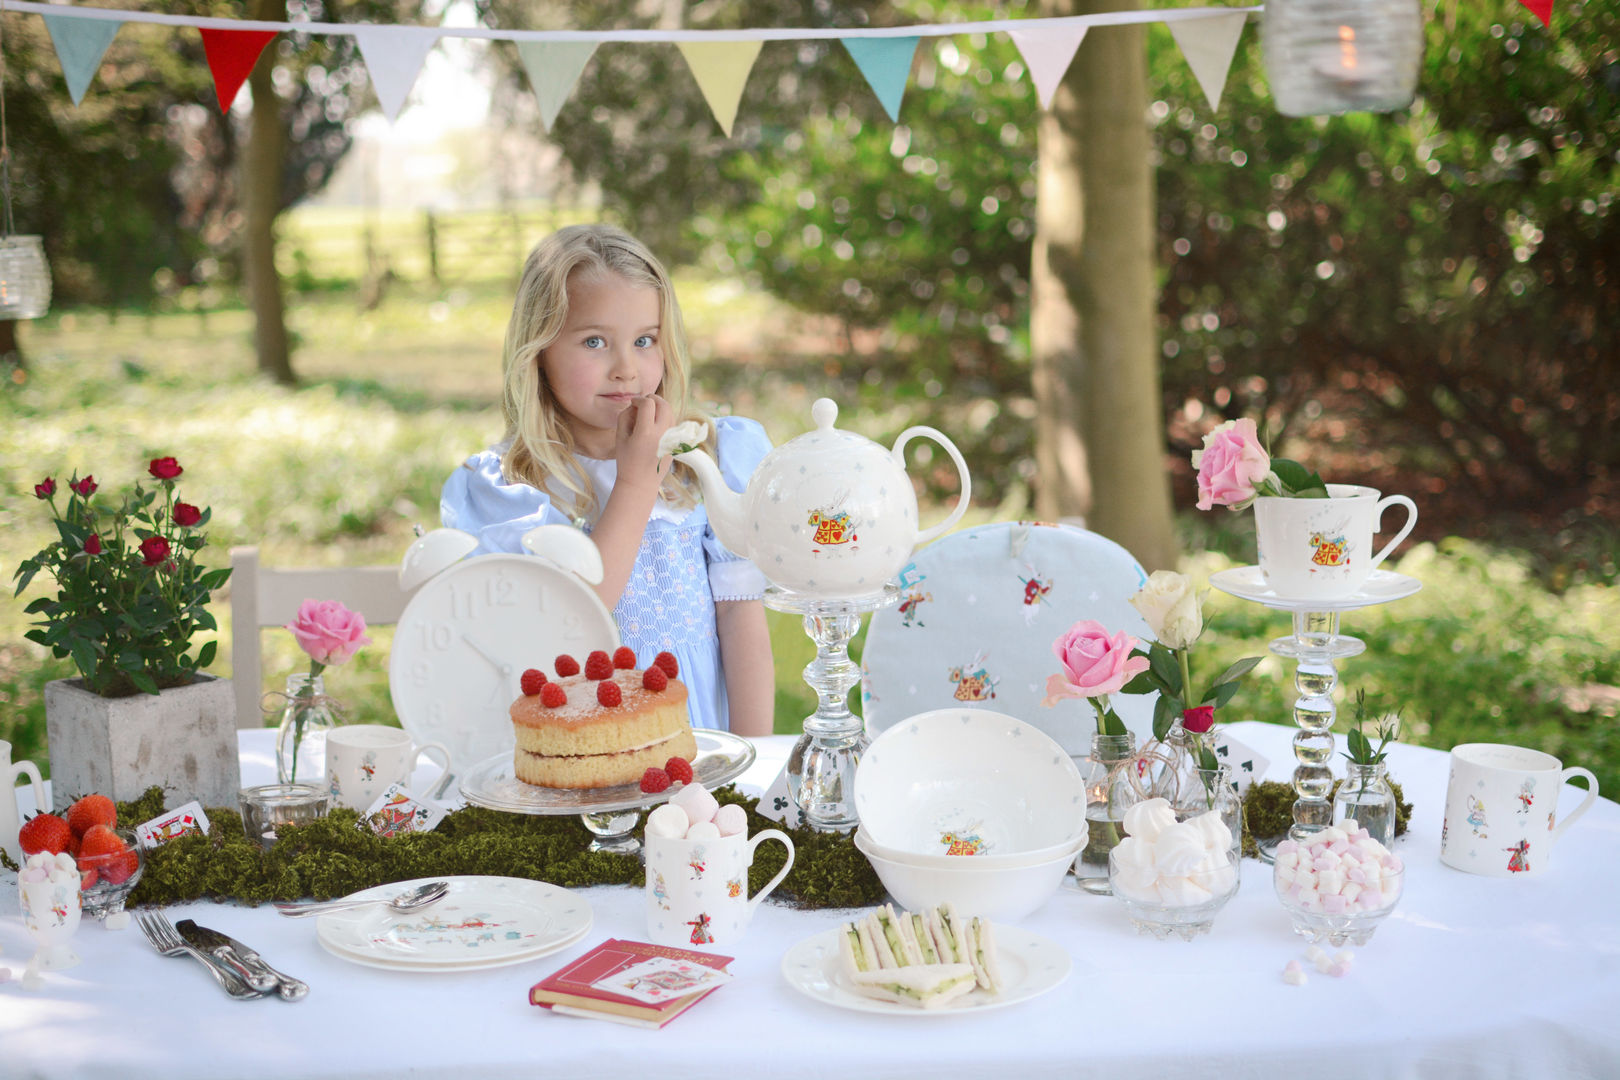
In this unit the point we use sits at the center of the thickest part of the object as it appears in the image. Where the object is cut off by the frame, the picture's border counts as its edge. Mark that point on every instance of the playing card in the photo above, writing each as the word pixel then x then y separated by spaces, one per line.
pixel 1247 765
pixel 169 826
pixel 661 979
pixel 778 805
pixel 397 811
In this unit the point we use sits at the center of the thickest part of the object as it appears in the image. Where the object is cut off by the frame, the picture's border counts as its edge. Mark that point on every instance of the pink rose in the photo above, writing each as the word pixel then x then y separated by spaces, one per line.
pixel 329 632
pixel 1198 719
pixel 1094 664
pixel 1230 465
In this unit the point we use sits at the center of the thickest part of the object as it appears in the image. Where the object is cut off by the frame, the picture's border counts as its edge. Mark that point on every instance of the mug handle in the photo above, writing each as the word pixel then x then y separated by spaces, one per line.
pixel 760 838
pixel 961 471
pixel 428 748
pixel 1378 516
pixel 1591 797
pixel 19 768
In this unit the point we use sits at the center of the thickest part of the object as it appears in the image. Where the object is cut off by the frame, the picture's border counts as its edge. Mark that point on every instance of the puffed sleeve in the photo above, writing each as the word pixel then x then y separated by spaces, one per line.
pixel 742 443
pixel 477 500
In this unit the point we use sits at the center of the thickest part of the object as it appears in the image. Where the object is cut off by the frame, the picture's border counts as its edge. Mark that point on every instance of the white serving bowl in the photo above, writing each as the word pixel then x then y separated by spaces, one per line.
pixel 1000 894
pixel 960 781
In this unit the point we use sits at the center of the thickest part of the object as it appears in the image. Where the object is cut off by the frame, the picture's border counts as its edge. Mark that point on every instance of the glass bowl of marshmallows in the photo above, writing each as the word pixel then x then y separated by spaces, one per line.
pixel 1173 876
pixel 1338 884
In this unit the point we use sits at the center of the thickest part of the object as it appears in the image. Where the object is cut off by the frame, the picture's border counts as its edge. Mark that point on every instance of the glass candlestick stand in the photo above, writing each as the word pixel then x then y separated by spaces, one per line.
pixel 821 767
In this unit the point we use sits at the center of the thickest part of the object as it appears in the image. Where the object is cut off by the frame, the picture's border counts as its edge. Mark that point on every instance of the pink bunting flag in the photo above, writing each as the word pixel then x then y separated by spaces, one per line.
pixel 231 56
pixel 1541 9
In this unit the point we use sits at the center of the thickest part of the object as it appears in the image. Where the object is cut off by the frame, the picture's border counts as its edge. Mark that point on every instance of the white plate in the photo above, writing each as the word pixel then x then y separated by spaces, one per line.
pixel 1031 965
pixel 493 962
pixel 1248 583
pixel 492 783
pixel 481 922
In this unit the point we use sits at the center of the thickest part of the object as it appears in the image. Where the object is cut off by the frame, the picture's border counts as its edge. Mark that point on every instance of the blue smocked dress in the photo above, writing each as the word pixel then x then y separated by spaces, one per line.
pixel 680 571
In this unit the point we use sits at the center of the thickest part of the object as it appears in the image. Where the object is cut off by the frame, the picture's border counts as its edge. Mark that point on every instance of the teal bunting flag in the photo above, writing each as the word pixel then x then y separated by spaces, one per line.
pixel 886 63
pixel 80 45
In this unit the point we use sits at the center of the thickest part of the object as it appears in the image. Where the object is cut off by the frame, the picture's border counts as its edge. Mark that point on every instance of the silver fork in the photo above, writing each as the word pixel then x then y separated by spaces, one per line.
pixel 166 940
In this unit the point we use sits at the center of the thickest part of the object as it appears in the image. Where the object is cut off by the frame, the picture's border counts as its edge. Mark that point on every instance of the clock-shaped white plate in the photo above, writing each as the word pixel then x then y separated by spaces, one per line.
pixel 466 637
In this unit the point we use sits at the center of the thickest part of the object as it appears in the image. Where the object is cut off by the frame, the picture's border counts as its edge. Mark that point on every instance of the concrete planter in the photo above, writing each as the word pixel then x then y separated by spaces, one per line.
pixel 183 739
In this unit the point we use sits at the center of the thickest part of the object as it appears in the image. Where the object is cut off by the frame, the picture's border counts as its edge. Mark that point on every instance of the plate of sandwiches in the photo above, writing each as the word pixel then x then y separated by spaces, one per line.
pixel 937 961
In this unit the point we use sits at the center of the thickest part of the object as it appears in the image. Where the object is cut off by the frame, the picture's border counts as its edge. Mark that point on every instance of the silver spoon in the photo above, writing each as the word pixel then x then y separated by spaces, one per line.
pixel 409 900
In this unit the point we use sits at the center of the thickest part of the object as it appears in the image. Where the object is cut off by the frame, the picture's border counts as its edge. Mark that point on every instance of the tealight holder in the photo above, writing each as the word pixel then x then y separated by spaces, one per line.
pixel 269 807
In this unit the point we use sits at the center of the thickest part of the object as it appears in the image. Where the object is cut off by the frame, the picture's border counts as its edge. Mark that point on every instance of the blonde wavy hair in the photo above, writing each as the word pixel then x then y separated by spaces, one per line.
pixel 540 446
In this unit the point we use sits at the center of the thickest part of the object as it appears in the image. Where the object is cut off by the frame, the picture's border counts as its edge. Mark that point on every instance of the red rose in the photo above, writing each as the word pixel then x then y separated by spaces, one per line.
pixel 154 549
pixel 92 546
pixel 84 488
pixel 165 468
pixel 1198 720
pixel 45 489
pixel 185 514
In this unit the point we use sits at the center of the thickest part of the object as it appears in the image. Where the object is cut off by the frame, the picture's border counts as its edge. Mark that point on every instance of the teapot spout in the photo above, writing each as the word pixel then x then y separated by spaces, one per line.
pixel 724 506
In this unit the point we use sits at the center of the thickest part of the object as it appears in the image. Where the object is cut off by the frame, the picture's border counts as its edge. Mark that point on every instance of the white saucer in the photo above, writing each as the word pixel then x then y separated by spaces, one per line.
pixel 1381 587
pixel 1031 965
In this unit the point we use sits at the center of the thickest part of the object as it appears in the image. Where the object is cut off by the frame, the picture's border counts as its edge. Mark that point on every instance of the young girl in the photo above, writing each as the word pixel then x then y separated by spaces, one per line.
pixel 596 371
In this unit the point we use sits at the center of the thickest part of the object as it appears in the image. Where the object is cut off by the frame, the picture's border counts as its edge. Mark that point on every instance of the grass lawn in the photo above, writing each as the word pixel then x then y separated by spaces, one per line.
pixel 338 471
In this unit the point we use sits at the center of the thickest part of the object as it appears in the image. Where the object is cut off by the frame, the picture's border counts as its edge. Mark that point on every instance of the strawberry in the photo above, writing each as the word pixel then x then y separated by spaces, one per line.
pixel 100 840
pixel 654 780
pixel 624 658
pixel 88 879
pixel 666 661
pixel 533 679
pixel 566 665
pixel 679 770
pixel 104 852
pixel 654 679
pixel 91 810
pixel 598 666
pixel 608 693
pixel 553 696
pixel 44 832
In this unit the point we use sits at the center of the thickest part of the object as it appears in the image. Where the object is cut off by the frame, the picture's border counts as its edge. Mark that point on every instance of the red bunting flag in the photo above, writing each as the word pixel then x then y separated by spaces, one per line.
pixel 231 56
pixel 1541 9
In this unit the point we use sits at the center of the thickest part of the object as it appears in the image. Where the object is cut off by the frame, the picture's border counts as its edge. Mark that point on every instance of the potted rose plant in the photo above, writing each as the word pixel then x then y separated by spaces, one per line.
pixel 130 599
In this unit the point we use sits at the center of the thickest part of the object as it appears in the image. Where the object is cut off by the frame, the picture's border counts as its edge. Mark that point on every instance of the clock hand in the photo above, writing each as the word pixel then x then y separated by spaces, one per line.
pixel 504 668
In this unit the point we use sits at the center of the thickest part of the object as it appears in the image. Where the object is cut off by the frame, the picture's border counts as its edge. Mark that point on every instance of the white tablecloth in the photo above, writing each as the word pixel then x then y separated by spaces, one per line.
pixel 1471 977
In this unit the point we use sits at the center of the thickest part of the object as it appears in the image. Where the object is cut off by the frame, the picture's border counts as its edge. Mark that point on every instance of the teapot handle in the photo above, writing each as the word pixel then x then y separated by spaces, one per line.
pixel 961 471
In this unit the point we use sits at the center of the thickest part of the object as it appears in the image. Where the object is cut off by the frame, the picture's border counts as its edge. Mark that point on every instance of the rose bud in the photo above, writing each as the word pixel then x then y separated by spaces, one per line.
pixel 165 468
pixel 186 515
pixel 154 549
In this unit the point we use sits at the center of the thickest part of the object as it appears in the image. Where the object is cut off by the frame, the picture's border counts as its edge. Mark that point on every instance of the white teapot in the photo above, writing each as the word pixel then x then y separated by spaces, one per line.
pixel 830 514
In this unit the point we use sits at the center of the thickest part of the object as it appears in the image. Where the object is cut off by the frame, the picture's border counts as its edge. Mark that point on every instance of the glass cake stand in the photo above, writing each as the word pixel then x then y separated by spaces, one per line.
pixel 821 766
pixel 609 813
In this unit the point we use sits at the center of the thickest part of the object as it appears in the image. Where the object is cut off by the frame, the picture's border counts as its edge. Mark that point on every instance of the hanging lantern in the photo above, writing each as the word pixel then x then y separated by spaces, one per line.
pixel 25 278
pixel 1338 56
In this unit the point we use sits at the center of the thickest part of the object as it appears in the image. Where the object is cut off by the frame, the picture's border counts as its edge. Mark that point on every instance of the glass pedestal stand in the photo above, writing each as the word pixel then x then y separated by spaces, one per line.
pixel 821 767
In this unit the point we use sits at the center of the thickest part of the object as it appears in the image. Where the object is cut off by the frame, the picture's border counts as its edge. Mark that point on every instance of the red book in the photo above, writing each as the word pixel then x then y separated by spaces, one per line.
pixel 573 989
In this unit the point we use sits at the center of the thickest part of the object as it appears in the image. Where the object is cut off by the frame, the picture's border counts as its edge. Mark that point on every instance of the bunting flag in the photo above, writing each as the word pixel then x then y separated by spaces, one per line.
pixel 886 63
pixel 1048 57
pixel 394 57
pixel 1541 9
pixel 721 69
pixel 1209 46
pixel 80 45
pixel 231 56
pixel 554 67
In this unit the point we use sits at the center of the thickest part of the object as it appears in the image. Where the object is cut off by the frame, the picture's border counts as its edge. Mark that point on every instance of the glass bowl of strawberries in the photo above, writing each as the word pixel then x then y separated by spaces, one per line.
pixel 110 864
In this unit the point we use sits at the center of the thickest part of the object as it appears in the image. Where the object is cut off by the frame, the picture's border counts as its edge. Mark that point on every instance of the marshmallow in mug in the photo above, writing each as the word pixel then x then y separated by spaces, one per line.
pixel 680 818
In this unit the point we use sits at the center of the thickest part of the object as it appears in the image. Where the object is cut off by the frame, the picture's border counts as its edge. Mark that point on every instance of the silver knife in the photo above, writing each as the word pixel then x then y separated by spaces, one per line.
pixel 244 961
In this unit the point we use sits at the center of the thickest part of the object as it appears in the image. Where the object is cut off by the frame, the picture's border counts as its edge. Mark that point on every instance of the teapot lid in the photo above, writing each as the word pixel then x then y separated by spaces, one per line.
pixel 825 413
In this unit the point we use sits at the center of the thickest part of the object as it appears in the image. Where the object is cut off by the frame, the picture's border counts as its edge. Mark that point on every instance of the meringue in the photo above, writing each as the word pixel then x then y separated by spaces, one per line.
pixel 1147 819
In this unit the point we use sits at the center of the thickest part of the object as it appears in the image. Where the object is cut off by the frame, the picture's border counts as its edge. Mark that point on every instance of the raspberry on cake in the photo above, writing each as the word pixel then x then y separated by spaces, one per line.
pixel 598 666
pixel 624 657
pixel 585 732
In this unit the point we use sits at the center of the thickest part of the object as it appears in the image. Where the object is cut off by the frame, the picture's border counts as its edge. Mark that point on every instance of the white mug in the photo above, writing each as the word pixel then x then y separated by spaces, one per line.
pixel 1322 548
pixel 697 890
pixel 1502 807
pixel 363 759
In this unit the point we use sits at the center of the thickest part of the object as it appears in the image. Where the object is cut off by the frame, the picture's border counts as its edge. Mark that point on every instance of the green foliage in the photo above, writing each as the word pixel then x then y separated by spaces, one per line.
pixel 130 593
pixel 1361 750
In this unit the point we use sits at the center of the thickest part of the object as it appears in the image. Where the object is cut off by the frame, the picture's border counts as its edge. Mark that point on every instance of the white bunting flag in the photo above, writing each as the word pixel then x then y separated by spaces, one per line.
pixel 1048 55
pixel 1209 45
pixel 394 56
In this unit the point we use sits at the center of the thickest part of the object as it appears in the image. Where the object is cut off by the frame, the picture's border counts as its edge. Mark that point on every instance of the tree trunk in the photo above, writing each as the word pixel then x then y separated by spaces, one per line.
pixel 261 198
pixel 1099 422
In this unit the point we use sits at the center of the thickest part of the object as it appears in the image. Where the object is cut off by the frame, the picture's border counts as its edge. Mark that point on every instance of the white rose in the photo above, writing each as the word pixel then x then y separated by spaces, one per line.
pixel 690 433
pixel 1174 612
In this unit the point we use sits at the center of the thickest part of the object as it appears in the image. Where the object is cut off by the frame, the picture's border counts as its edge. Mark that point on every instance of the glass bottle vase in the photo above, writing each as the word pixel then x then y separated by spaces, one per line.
pixel 1365 797
pixel 306 717
pixel 1212 789
pixel 1109 793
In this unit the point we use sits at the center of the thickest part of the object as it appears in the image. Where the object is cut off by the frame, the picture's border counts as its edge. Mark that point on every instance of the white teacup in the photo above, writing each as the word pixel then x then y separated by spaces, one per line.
pixel 697 890
pixel 363 759
pixel 1322 548
pixel 1502 807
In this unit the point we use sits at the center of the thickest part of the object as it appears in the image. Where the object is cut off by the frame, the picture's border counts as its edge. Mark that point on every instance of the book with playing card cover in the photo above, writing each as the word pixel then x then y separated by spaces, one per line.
pixel 577 985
